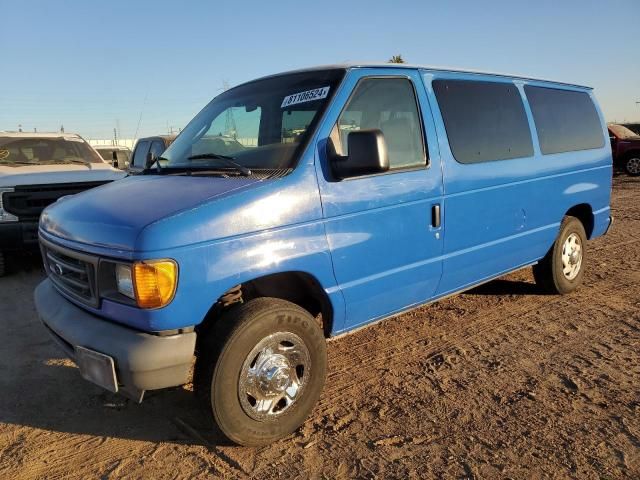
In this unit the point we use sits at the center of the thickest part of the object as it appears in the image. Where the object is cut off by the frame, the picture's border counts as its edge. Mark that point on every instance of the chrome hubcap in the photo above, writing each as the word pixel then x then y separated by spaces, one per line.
pixel 571 256
pixel 273 376
pixel 633 165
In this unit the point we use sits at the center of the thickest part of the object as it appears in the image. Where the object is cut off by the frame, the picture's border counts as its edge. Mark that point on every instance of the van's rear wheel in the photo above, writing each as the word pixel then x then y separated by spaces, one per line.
pixel 261 370
pixel 632 165
pixel 562 268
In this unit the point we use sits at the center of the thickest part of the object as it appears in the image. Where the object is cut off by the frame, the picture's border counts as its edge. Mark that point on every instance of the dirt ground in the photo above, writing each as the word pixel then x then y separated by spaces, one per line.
pixel 499 382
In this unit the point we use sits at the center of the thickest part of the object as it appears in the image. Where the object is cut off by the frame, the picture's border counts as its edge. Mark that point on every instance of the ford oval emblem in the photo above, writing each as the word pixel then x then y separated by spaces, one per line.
pixel 58 269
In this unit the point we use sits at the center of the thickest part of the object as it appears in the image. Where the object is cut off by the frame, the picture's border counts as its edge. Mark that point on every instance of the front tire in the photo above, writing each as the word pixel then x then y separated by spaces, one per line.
pixel 2 265
pixel 261 370
pixel 632 165
pixel 562 268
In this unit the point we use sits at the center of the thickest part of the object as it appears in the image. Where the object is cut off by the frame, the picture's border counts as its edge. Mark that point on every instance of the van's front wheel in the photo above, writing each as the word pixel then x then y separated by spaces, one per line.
pixel 262 370
pixel 562 268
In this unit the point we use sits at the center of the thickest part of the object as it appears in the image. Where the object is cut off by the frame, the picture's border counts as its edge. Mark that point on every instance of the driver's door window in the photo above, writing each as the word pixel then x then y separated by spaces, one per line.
pixel 388 104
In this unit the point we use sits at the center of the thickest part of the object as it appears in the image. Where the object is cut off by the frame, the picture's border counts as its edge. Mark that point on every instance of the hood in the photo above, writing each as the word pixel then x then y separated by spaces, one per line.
pixel 48 174
pixel 113 215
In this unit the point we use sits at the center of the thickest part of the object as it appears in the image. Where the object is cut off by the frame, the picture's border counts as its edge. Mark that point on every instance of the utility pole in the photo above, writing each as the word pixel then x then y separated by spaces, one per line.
pixel 115 137
pixel 230 128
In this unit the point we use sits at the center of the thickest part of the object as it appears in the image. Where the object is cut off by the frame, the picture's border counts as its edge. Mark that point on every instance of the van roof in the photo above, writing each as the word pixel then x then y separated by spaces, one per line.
pixel 351 65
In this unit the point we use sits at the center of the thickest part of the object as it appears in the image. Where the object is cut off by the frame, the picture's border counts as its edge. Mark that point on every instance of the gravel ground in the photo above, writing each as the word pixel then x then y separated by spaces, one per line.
pixel 499 382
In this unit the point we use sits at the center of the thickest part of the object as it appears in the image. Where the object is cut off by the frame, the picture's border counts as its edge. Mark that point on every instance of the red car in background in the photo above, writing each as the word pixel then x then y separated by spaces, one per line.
pixel 625 147
pixel 635 127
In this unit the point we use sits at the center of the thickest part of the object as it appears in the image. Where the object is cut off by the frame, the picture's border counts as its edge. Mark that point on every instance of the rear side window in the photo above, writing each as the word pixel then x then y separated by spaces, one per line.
pixel 566 120
pixel 485 121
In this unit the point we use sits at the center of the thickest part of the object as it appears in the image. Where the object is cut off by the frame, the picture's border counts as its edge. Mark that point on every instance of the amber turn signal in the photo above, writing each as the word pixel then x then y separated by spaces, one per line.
pixel 155 282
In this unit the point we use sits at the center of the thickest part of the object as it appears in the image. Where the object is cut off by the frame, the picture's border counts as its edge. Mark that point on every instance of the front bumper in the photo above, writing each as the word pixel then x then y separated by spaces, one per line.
pixel 18 235
pixel 141 361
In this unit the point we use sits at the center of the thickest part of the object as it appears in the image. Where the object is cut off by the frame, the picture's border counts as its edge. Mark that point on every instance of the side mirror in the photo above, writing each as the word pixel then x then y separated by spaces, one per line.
pixel 367 155
pixel 151 158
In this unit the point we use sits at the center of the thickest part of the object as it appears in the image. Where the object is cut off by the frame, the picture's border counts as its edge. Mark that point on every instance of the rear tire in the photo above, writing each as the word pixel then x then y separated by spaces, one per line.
pixel 562 268
pixel 2 265
pixel 632 165
pixel 261 369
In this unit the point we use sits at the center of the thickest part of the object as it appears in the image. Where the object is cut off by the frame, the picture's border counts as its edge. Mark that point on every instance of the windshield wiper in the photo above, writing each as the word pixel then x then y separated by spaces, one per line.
pixel 78 162
pixel 156 162
pixel 18 163
pixel 230 161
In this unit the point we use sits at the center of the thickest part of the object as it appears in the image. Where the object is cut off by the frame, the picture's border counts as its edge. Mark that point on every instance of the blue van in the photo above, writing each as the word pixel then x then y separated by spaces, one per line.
pixel 304 205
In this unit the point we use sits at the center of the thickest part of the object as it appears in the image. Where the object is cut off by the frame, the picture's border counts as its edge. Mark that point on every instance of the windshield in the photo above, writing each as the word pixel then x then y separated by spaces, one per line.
pixel 622 132
pixel 20 151
pixel 260 125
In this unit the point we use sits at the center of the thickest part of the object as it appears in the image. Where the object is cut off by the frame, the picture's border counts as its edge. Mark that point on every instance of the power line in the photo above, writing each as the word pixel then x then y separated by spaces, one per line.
pixel 140 118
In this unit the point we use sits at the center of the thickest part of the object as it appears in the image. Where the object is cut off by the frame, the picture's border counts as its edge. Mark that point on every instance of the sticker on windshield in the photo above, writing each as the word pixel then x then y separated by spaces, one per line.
pixel 308 96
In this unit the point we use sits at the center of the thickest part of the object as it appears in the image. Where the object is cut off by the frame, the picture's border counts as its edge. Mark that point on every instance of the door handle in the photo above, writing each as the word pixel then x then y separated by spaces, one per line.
pixel 435 216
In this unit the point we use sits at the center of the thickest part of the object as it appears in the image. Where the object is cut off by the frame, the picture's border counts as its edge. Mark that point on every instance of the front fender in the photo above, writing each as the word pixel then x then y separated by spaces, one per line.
pixel 206 271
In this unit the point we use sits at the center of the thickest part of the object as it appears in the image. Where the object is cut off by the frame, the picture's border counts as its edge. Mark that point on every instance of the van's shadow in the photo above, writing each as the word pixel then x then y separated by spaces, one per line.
pixel 60 400
pixel 506 287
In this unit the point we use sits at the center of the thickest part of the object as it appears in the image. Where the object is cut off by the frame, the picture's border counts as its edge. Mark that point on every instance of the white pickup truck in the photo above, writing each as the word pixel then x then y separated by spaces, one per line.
pixel 35 170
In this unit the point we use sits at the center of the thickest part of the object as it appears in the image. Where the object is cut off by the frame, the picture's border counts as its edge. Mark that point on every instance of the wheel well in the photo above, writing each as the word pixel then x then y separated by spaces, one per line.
pixel 584 213
pixel 296 287
pixel 631 153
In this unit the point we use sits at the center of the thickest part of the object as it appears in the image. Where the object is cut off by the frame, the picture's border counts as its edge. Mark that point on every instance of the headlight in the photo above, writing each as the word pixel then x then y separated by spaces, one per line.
pixel 4 215
pixel 151 283
pixel 124 280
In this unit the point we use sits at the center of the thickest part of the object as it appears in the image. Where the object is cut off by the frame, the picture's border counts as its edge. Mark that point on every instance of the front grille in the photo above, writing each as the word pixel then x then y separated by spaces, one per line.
pixel 73 273
pixel 28 201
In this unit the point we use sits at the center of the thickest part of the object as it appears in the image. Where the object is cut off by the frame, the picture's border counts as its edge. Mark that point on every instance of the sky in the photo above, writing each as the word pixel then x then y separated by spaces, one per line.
pixel 146 67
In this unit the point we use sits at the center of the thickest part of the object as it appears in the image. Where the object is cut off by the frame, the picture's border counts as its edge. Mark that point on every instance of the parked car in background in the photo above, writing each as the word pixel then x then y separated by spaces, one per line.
pixel 116 155
pixel 634 127
pixel 625 148
pixel 147 148
pixel 349 194
pixel 36 169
